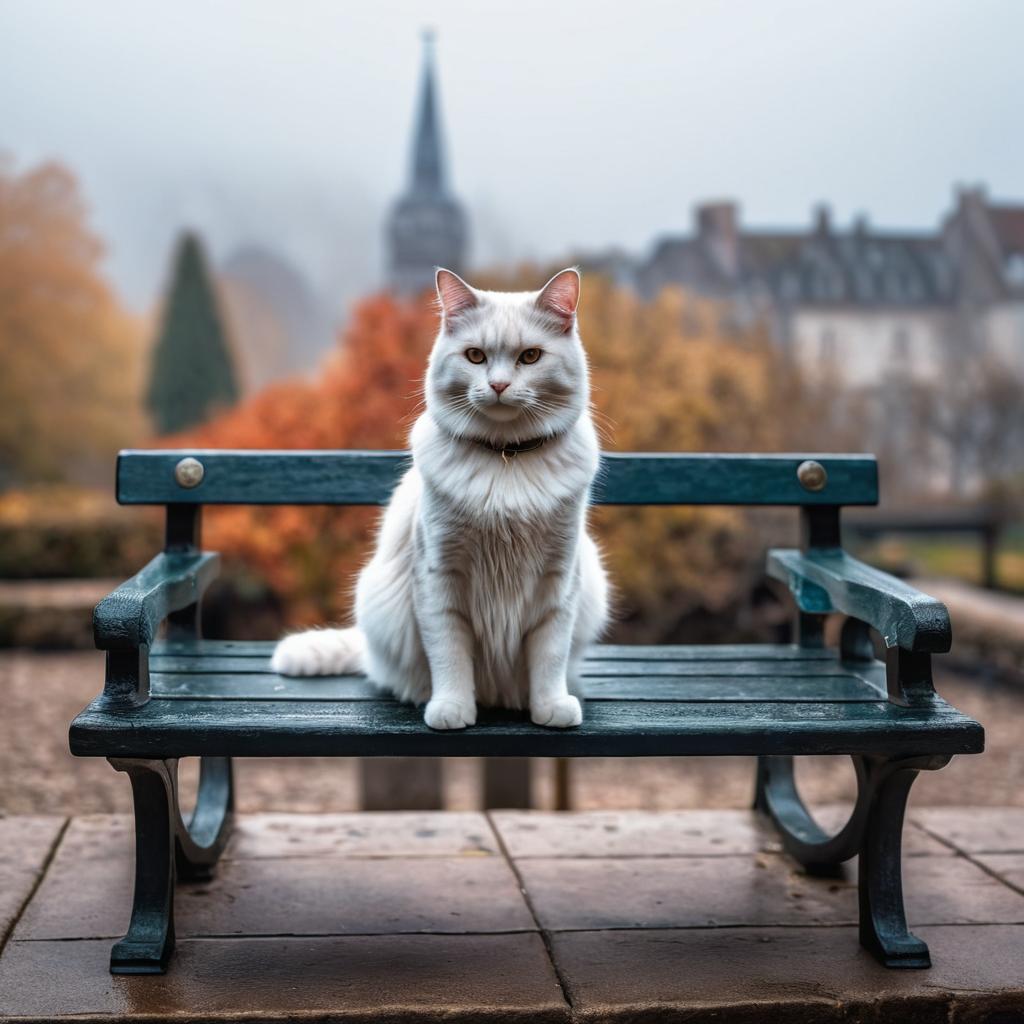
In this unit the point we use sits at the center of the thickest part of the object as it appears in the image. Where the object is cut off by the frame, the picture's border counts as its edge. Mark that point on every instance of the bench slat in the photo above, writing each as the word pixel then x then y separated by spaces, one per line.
pixel 171 664
pixel 369 477
pixel 607 652
pixel 770 688
pixel 238 728
pixel 603 652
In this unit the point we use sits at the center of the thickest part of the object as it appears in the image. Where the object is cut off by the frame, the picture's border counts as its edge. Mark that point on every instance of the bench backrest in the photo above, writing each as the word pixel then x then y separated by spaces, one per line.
pixel 368 478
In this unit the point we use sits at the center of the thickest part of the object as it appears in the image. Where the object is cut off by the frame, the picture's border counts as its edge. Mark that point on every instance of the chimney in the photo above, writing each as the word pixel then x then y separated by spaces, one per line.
pixel 718 232
pixel 822 220
pixel 971 196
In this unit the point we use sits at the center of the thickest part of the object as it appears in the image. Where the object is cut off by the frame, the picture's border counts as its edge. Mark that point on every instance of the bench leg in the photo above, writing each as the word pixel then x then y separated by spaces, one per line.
pixel 168 848
pixel 150 940
pixel 883 920
pixel 200 842
pixel 778 798
pixel 874 831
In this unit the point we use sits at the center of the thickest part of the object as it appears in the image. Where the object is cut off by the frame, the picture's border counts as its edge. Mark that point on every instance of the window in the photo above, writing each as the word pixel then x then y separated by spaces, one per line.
pixel 1015 270
pixel 901 346
pixel 827 347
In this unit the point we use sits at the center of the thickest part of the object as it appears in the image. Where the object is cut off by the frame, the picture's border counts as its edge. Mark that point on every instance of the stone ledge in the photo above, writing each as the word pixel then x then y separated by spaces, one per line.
pixel 449 978
pixel 783 974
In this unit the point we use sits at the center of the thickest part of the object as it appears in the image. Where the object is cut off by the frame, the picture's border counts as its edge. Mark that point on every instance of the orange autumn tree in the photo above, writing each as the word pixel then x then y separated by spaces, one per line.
pixel 365 396
pixel 669 375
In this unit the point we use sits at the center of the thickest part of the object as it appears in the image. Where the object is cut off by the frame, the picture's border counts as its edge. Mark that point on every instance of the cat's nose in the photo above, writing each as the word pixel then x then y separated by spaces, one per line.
pixel 499 385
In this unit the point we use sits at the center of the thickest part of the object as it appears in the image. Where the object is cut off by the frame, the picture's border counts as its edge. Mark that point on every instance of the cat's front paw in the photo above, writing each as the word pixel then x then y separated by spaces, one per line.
pixel 560 713
pixel 442 713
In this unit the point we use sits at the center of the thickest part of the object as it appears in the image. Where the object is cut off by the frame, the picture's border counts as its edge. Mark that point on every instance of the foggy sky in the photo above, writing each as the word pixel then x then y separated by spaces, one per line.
pixel 570 124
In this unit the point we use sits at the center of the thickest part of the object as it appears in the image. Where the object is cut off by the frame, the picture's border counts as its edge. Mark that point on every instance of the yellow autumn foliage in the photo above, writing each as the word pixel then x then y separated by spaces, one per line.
pixel 71 357
pixel 674 375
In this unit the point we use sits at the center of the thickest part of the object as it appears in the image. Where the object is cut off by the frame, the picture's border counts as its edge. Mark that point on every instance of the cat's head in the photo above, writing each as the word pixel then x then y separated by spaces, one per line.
pixel 507 366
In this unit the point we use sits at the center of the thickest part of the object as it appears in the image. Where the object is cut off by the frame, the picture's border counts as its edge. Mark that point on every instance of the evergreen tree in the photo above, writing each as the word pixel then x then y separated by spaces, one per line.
pixel 192 374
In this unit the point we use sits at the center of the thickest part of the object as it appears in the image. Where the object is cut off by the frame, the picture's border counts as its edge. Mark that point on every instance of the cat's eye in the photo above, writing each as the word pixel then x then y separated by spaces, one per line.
pixel 475 355
pixel 529 355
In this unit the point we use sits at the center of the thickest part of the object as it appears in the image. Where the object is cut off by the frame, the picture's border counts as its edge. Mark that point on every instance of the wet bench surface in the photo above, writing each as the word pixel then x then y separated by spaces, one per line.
pixel 221 698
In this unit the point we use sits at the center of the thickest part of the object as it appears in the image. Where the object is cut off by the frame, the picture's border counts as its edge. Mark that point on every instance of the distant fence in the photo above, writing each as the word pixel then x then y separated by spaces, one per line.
pixel 987 524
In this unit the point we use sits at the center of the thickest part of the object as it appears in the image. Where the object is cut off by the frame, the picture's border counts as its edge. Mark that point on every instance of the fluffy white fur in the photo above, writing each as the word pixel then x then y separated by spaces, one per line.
pixel 485 586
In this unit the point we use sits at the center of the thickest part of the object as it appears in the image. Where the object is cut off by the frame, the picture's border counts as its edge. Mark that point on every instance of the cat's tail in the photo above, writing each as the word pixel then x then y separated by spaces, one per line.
pixel 321 652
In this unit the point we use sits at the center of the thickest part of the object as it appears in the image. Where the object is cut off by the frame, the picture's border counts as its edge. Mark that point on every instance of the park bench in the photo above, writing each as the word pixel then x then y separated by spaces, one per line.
pixel 170 694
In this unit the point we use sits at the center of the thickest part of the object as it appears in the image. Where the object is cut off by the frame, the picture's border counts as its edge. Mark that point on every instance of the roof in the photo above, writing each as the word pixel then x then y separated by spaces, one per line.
pixel 853 267
pixel 1008 225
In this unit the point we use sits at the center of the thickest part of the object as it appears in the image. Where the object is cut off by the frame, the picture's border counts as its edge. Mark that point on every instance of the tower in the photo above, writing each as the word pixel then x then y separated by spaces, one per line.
pixel 427 227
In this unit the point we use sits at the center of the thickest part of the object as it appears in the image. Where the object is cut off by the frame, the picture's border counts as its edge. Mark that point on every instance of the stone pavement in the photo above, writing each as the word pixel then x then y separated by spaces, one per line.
pixel 516 916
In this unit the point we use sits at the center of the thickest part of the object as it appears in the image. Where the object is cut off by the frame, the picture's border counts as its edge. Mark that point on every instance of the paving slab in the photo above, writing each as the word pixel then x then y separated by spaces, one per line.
pixel 762 890
pixel 368 834
pixel 26 842
pixel 917 842
pixel 975 829
pixel 783 975
pixel 665 833
pixel 1009 867
pixel 392 978
pixel 629 833
pixel 306 896
pixel 96 837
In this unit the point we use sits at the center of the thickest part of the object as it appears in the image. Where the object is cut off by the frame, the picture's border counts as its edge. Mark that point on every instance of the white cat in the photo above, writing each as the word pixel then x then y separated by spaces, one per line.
pixel 485 586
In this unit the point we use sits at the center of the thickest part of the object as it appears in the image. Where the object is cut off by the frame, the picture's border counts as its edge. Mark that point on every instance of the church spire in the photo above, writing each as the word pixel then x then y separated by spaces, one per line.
pixel 427 165
pixel 427 226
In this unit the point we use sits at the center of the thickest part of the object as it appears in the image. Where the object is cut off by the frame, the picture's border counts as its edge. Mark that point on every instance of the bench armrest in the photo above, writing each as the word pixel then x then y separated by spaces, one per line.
pixel 830 580
pixel 130 617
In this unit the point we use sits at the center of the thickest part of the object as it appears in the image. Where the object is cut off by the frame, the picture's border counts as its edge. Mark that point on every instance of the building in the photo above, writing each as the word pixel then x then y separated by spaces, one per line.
pixel 427 226
pixel 918 335
pixel 859 303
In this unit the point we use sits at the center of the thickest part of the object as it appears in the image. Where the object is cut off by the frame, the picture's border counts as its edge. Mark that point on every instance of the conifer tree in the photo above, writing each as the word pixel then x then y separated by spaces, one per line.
pixel 192 375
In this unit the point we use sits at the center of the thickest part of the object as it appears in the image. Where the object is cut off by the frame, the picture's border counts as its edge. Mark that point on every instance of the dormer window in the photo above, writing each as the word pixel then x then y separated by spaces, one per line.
pixel 1014 270
pixel 827 348
pixel 901 346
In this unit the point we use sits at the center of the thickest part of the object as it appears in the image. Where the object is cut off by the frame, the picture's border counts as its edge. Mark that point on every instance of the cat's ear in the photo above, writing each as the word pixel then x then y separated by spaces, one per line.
pixel 560 297
pixel 454 294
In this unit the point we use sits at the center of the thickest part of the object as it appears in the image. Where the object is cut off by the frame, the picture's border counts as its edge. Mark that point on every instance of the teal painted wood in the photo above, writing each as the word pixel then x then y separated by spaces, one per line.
pixel 368 478
pixel 830 580
pixel 654 668
pixel 838 686
pixel 129 617
pixel 604 652
pixel 238 728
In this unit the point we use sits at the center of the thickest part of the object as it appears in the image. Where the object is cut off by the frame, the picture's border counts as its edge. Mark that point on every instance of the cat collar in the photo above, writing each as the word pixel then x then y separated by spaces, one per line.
pixel 505 450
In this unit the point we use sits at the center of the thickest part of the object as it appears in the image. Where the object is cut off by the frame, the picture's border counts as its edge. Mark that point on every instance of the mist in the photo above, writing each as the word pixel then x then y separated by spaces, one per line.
pixel 568 126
